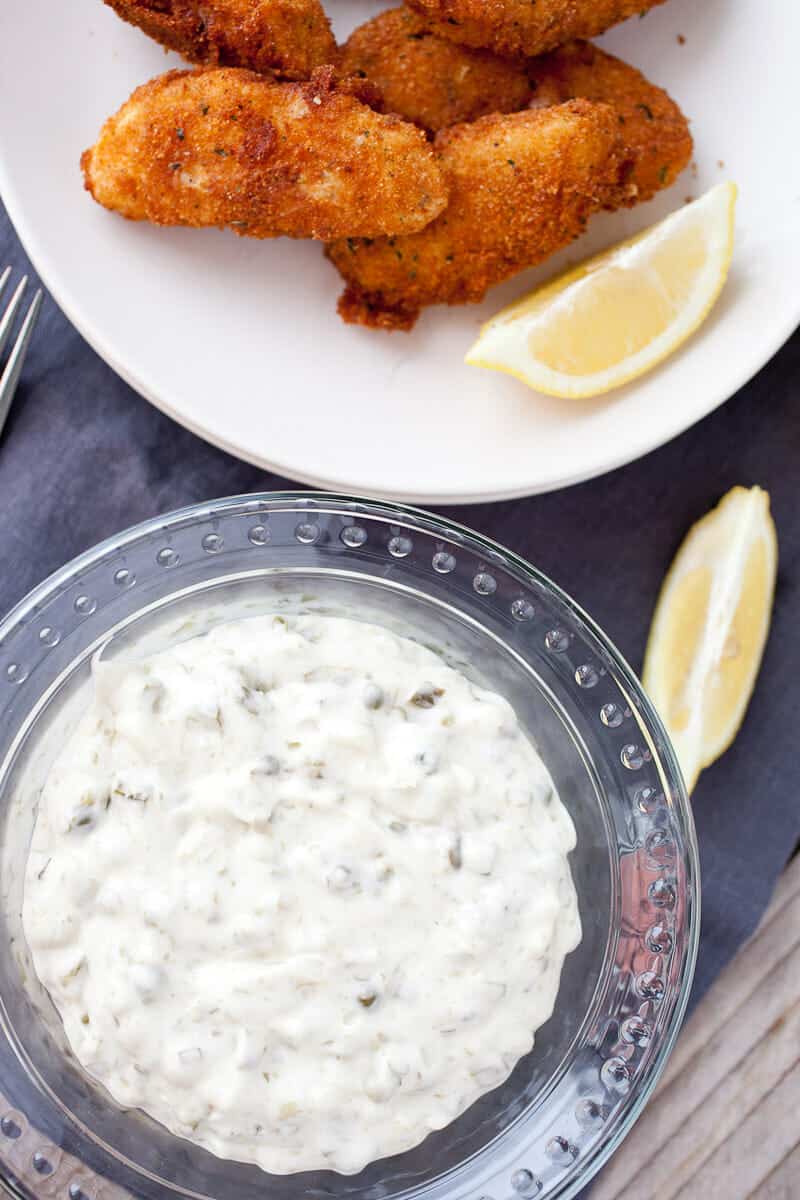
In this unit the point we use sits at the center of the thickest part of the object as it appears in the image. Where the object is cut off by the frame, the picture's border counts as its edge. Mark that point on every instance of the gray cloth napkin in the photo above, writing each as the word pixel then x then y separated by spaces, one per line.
pixel 83 457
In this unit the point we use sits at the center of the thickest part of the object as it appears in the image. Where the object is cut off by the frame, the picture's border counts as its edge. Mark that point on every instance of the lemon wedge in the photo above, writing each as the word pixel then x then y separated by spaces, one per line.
pixel 618 314
pixel 710 627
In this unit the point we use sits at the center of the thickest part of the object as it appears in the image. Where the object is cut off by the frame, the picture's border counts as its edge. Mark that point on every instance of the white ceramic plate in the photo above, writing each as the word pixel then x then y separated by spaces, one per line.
pixel 240 341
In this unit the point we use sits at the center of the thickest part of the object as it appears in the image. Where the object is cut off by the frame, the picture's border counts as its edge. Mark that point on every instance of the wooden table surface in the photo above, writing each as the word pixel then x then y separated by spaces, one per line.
pixel 724 1122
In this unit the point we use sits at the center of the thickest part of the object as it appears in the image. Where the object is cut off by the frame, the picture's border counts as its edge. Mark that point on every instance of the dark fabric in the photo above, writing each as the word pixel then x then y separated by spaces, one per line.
pixel 83 456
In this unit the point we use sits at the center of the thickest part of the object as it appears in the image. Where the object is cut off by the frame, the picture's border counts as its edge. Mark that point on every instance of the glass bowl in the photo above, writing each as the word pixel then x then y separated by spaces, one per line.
pixel 623 992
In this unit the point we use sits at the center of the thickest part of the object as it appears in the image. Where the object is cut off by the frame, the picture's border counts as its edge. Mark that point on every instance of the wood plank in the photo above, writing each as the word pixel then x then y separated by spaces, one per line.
pixel 745 1160
pixel 741 1042
pixel 783 1182
pixel 704 1106
pixel 724 1052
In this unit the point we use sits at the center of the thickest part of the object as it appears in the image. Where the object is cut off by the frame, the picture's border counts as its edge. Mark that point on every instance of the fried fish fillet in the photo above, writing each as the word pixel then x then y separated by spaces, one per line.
pixel 291 37
pixel 525 27
pixel 226 147
pixel 654 131
pixel 436 83
pixel 521 186
pixel 428 80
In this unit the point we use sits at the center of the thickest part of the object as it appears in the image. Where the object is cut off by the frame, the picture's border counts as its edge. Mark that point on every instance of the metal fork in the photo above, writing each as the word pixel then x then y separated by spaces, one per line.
pixel 10 376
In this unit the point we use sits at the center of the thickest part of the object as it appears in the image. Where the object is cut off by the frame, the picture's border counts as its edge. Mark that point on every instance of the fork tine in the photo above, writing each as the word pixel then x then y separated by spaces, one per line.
pixel 11 312
pixel 10 376
pixel 4 278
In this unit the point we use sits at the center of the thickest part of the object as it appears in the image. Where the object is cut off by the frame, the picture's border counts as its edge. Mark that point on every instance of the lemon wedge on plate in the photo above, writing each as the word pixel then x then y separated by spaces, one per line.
pixel 710 627
pixel 618 314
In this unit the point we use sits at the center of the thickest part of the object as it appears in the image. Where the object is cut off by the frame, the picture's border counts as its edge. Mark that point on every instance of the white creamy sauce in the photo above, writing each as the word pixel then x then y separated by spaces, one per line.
pixel 299 890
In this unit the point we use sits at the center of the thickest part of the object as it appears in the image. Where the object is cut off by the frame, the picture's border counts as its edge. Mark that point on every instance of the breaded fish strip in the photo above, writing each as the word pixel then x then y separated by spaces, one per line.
pixel 654 131
pixel 436 83
pixel 521 187
pixel 428 80
pixel 227 147
pixel 291 37
pixel 525 27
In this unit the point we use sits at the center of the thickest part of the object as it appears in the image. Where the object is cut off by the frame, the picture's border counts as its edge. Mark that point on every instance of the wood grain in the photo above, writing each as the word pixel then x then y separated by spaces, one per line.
pixel 725 1119
pixel 783 1182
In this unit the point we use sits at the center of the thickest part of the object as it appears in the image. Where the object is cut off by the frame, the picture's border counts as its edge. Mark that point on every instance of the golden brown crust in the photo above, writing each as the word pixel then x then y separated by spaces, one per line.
pixel 654 130
pixel 428 80
pixel 436 83
pixel 227 147
pixel 521 187
pixel 523 27
pixel 290 37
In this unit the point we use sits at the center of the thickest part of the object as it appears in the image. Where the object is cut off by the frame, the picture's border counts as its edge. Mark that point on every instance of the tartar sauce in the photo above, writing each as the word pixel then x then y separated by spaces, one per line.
pixel 299 890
